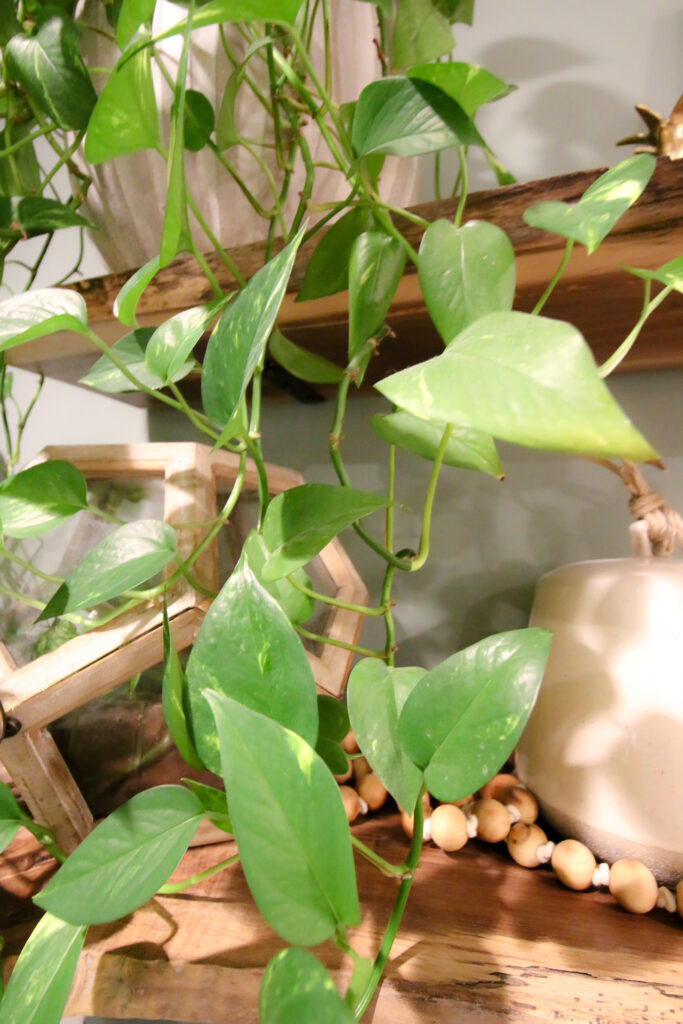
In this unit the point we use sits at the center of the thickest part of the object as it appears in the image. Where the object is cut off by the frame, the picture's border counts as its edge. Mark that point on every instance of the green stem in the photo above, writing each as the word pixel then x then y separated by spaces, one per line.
pixel 318 638
pixel 648 307
pixel 45 837
pixel 362 609
pixel 389 226
pixel 14 147
pixel 391 870
pixel 462 177
pixel 201 876
pixel 225 512
pixel 412 861
pixel 27 567
pixel 207 271
pixel 389 624
pixel 423 552
pixel 107 516
pixel 224 256
pixel 555 278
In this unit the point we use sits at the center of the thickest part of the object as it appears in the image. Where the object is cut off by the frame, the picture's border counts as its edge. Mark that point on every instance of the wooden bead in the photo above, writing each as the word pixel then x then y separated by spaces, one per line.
pixel 495 786
pixel 360 767
pixel 407 821
pixel 679 897
pixel 349 743
pixel 633 886
pixel 449 827
pixel 523 843
pixel 574 864
pixel 372 791
pixel 524 802
pixel 493 821
pixel 351 801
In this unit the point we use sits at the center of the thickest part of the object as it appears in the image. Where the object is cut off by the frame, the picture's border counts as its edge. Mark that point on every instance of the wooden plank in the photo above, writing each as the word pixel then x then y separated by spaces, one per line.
pixel 43 779
pixel 594 294
pixel 189 500
pixel 482 941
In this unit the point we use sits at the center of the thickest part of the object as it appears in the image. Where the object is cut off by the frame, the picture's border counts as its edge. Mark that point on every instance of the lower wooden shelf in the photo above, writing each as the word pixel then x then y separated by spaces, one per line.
pixel 483 941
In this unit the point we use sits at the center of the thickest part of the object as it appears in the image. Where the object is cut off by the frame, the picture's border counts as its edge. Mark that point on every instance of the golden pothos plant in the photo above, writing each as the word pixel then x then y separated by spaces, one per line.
pixel 249 711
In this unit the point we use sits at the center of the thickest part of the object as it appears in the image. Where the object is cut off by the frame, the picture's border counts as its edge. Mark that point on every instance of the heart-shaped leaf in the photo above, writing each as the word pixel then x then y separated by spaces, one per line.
pixel 333 726
pixel 173 691
pixel 376 696
pixel 125 118
pixel 39 985
pixel 214 802
pixel 670 273
pixel 375 269
pixel 464 717
pixel 525 379
pixel 38 313
pixel 421 33
pixel 199 120
pixel 469 85
pixel 131 15
pixel 297 606
pixel 127 300
pixel 36 215
pixel 10 816
pixel 126 557
pixel 175 233
pixel 466 449
pixel 131 350
pixel 408 117
pixel 239 340
pixel 302 520
pixel 327 271
pixel 49 67
pixel 247 649
pixel 465 273
pixel 591 219
pixel 296 851
pixel 301 363
pixel 40 498
pixel 125 859
pixel 170 345
pixel 296 988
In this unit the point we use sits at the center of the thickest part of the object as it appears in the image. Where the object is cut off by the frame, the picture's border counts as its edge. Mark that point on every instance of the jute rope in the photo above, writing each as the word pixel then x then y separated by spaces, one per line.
pixel 664 525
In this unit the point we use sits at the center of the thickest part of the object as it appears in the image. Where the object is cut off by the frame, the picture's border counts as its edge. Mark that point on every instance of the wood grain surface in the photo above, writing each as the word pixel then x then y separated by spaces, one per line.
pixel 594 294
pixel 483 942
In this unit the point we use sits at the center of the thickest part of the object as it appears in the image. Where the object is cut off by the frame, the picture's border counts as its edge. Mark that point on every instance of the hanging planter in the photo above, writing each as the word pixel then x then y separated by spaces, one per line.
pixel 603 749
pixel 98 695
pixel 128 232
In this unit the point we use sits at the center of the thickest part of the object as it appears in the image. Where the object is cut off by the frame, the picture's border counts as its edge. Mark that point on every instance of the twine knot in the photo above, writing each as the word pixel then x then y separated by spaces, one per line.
pixel 664 525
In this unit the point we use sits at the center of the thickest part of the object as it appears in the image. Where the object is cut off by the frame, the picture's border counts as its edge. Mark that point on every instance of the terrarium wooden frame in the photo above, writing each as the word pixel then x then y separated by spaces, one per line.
pixel 94 663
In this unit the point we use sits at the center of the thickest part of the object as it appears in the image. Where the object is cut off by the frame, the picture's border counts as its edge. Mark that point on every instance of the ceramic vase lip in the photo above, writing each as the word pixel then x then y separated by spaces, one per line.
pixel 656 563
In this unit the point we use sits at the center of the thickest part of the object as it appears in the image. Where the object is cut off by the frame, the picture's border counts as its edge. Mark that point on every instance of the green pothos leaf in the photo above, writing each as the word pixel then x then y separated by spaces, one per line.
pixel 296 852
pixel 10 816
pixel 39 985
pixel 421 33
pixel 173 692
pixel 466 449
pixel 375 270
pixel 175 234
pixel 41 497
pixel 127 300
pixel 35 314
pixel 301 363
pixel 131 351
pixel 296 988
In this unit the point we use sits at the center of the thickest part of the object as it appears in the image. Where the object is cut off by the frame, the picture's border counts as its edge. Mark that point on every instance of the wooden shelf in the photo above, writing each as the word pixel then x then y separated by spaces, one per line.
pixel 599 298
pixel 483 942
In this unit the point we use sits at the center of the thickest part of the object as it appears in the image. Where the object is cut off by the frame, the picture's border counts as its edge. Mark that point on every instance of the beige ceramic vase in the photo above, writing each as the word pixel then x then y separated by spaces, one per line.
pixel 603 749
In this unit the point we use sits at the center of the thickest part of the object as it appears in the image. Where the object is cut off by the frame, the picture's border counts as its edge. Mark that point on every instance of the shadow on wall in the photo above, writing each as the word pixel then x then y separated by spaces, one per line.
pixel 523 58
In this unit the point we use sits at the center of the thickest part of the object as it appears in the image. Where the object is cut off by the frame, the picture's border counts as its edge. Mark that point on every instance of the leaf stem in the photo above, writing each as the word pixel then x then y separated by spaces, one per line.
pixel 324 599
pixel 423 552
pixel 412 861
pixel 318 638
pixel 462 160
pixel 555 278
pixel 390 870
pixel 627 344
pixel 201 876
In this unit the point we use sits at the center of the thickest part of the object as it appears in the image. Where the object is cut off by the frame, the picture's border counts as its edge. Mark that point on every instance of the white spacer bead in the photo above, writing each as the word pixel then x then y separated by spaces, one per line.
pixel 426 830
pixel 513 811
pixel 363 806
pixel 601 875
pixel 472 826
pixel 666 899
pixel 545 852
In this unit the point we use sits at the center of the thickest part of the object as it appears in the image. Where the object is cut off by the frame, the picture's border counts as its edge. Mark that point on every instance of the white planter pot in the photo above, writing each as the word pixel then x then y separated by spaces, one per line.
pixel 127 196
pixel 603 749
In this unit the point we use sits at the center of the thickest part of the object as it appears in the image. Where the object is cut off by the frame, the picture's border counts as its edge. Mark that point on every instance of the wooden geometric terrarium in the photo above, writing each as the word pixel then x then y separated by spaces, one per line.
pixel 55 684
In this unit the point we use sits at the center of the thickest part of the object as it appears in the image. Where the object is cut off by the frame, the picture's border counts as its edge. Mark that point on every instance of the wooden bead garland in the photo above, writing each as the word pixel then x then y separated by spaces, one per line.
pixel 510 816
